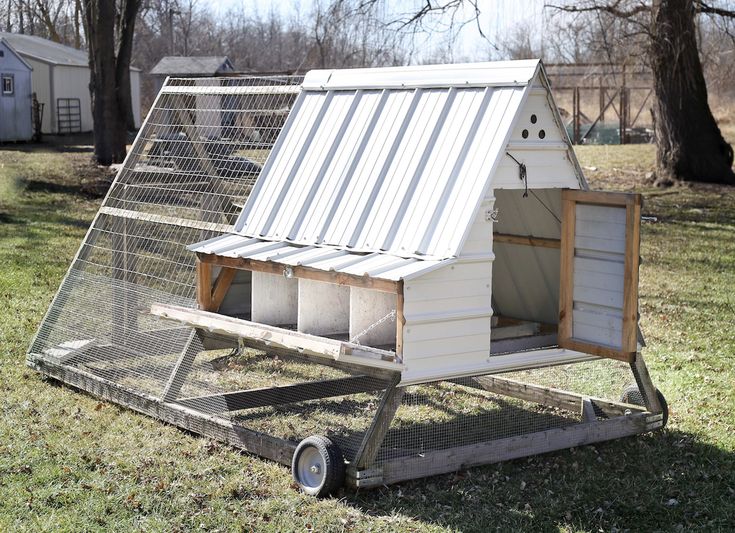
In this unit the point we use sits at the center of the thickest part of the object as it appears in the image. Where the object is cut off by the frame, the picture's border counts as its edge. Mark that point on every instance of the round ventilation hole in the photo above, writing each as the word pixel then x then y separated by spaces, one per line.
pixel 541 134
pixel 533 119
pixel 524 134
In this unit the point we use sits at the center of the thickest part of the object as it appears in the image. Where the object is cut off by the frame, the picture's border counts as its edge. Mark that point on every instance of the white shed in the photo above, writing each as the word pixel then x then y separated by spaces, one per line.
pixel 15 95
pixel 437 195
pixel 61 83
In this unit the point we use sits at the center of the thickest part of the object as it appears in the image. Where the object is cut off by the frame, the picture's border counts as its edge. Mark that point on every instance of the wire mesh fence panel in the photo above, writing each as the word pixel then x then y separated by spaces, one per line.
pixel 185 179
pixel 469 411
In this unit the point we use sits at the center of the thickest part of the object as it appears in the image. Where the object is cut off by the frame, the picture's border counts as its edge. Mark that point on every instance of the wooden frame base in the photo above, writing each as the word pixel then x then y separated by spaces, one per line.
pixel 600 419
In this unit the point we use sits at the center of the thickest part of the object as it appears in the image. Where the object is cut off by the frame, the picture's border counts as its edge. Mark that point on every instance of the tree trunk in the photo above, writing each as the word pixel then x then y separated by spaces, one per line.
pixel 126 29
pixel 689 144
pixel 109 76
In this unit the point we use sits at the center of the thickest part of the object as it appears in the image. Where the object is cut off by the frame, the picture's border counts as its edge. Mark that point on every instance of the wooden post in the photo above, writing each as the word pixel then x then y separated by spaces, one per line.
pixel 630 276
pixel 566 289
pixel 375 434
pixel 603 107
pixel 576 116
pixel 645 384
pixel 124 263
pixel 400 322
pixel 204 285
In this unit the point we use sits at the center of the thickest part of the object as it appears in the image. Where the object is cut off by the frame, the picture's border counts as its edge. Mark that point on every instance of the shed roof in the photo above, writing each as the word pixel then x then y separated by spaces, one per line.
pixel 12 50
pixel 47 51
pixel 192 65
pixel 391 161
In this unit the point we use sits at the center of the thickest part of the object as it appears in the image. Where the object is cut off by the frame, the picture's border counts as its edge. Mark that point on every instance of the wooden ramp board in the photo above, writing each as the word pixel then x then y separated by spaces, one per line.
pixel 66 351
pixel 279 337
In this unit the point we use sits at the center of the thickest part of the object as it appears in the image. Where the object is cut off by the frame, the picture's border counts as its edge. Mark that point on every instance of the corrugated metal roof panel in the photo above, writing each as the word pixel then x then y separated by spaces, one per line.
pixel 493 74
pixel 374 265
pixel 396 170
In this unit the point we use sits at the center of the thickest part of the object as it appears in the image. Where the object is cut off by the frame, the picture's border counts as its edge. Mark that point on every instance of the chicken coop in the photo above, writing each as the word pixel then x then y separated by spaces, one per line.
pixel 401 273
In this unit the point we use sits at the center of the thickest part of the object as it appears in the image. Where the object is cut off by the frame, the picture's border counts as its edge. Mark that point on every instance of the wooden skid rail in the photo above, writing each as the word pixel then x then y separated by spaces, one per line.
pixel 267 446
pixel 250 399
pixel 458 458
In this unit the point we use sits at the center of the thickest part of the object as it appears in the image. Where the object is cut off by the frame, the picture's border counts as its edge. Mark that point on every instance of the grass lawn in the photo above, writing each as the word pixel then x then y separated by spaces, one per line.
pixel 69 462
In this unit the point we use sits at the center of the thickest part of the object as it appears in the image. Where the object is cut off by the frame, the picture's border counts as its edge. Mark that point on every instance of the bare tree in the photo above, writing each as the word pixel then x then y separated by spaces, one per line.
pixel 690 146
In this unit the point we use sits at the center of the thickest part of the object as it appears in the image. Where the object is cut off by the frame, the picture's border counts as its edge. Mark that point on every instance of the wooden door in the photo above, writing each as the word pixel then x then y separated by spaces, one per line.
pixel 598 297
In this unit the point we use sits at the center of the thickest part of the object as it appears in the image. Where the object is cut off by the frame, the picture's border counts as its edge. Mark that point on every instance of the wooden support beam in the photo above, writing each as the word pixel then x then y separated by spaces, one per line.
pixel 526 240
pixel 269 267
pixel 400 321
pixel 630 276
pixel 550 397
pixel 566 269
pixel 267 446
pixel 204 285
pixel 371 442
pixel 163 219
pixel 588 410
pixel 221 286
pixel 300 392
pixel 181 369
pixel 645 385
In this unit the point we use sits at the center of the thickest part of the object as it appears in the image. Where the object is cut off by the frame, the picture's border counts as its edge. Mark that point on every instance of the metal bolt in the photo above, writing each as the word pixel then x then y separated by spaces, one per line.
pixel 314 469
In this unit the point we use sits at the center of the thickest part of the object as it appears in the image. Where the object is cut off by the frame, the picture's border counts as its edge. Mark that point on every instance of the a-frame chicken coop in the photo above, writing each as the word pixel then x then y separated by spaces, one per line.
pixel 398 272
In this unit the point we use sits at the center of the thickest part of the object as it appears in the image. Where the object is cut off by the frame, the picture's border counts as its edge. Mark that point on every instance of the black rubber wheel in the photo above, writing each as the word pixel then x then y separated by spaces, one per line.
pixel 318 466
pixel 631 394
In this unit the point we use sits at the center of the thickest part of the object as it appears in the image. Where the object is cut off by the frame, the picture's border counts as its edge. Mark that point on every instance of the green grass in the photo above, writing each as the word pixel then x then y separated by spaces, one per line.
pixel 70 462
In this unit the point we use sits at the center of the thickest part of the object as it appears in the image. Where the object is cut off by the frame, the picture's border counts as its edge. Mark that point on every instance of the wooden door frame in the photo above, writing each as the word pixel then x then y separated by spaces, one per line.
pixel 632 202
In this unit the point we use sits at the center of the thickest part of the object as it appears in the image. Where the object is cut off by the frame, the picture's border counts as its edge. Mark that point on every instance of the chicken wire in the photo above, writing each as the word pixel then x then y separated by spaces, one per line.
pixel 189 170
pixel 186 178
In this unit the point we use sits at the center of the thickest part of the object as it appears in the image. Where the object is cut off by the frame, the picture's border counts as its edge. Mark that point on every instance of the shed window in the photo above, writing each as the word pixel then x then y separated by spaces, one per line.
pixel 8 84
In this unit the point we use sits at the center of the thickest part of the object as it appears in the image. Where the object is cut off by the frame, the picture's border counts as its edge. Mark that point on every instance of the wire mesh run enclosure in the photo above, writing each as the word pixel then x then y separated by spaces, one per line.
pixel 371 275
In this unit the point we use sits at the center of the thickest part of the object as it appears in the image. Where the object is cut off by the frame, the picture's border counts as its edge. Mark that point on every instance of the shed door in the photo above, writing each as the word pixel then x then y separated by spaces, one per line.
pixel 598 297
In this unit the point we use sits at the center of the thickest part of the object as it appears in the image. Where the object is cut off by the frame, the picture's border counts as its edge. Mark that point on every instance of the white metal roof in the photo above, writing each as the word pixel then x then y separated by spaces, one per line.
pixel 374 265
pixel 391 160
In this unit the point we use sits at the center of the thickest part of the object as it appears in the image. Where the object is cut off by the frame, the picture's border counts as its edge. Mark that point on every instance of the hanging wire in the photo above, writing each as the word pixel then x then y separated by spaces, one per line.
pixel 522 173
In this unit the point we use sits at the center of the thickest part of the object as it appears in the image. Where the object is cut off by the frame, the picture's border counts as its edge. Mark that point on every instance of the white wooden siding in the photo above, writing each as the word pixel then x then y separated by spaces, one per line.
pixel 448 319
pixel 72 82
pixel 548 160
pixel 599 274
pixel 479 239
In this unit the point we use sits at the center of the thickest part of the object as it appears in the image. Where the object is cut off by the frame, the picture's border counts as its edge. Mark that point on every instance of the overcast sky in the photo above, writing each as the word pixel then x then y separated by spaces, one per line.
pixel 497 19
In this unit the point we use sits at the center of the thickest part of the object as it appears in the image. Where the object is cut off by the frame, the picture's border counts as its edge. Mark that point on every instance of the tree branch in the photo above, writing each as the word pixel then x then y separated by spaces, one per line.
pixel 612 8
pixel 702 7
